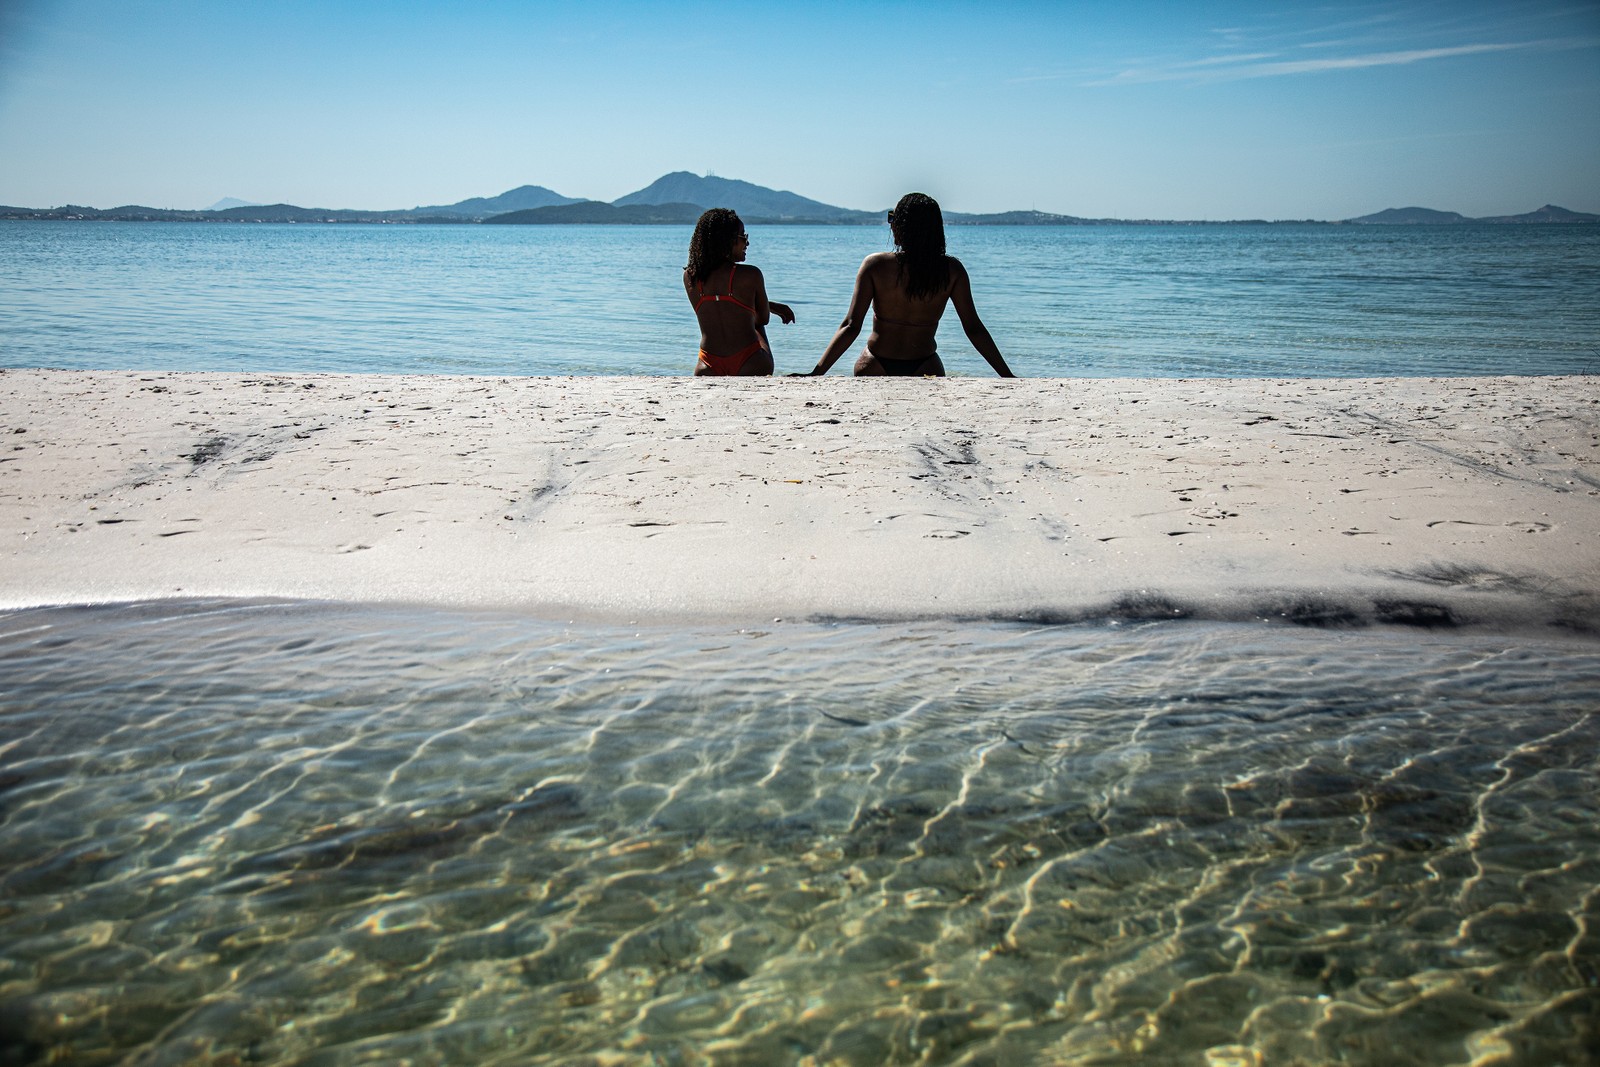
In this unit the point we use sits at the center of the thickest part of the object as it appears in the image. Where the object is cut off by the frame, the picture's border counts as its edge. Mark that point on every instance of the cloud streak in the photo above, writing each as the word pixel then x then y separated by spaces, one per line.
pixel 1238 68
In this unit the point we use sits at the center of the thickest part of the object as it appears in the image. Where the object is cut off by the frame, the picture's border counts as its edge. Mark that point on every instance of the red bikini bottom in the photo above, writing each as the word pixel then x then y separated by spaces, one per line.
pixel 730 364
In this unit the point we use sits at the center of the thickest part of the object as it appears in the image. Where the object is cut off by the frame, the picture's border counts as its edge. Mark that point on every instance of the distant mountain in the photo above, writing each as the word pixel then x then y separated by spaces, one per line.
pixel 522 198
pixel 680 197
pixel 595 211
pixel 129 213
pixel 1548 213
pixel 291 213
pixel 256 213
pixel 1015 218
pixel 754 203
pixel 229 201
pixel 1405 216
pixel 278 213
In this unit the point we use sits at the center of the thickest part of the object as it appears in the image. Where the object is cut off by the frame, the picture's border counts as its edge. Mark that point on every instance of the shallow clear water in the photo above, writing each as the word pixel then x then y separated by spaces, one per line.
pixel 1090 301
pixel 238 833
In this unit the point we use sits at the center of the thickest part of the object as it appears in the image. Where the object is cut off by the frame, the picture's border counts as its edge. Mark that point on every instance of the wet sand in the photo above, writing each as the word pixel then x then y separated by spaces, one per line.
pixel 1430 502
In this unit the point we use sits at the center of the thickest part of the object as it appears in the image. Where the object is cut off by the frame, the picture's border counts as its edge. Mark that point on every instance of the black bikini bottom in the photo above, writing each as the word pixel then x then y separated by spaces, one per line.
pixel 902 368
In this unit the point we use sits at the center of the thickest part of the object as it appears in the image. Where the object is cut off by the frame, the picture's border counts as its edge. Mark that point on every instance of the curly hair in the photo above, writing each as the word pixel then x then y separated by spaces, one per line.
pixel 712 243
pixel 918 228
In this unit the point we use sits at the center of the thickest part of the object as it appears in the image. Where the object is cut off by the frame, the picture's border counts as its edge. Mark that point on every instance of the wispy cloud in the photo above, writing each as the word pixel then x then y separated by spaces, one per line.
pixel 1343 37
pixel 1239 67
pixel 1222 70
pixel 1219 60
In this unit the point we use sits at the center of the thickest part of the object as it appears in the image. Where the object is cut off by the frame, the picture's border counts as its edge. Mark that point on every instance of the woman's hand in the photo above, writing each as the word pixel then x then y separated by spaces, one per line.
pixel 784 312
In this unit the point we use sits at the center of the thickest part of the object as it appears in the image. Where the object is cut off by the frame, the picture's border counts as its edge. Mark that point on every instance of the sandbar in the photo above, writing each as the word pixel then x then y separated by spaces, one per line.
pixel 1428 502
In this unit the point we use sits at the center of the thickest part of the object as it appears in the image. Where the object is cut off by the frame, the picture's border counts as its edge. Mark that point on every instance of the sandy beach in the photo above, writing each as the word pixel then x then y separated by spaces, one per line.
pixel 1433 502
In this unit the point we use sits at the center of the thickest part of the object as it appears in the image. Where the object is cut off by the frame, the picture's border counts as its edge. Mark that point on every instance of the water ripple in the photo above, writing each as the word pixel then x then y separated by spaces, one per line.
pixel 322 835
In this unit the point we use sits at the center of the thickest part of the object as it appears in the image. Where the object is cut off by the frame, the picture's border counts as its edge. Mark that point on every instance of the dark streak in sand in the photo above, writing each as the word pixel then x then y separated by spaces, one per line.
pixel 206 451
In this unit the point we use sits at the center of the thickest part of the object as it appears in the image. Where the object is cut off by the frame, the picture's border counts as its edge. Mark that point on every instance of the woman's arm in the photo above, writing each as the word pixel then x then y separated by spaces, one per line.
pixel 850 328
pixel 976 331
pixel 766 308
pixel 762 305
pixel 760 302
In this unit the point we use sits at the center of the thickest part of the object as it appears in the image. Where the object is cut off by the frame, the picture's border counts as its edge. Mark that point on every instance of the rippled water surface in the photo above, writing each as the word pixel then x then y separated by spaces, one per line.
pixel 235 833
pixel 1089 301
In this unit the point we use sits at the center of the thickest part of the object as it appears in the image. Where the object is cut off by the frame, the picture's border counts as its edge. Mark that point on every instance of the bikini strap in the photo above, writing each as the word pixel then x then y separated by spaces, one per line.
pixel 731 268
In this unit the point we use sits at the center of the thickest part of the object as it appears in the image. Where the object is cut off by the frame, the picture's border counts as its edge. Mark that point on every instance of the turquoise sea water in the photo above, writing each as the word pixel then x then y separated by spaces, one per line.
pixel 1095 301
pixel 268 833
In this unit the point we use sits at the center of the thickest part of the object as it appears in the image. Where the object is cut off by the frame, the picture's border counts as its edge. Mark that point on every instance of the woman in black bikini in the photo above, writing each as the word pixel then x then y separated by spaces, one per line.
pixel 730 304
pixel 907 291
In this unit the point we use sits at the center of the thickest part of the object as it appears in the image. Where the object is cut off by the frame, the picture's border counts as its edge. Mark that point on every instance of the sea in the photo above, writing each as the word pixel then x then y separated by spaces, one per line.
pixel 1119 301
pixel 315 833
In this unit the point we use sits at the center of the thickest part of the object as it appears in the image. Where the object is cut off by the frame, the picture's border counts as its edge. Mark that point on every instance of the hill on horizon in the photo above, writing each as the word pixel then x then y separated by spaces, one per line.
pixel 680 197
pixel 751 201
pixel 1409 216
pixel 597 211
pixel 1404 216
pixel 522 198
pixel 1548 213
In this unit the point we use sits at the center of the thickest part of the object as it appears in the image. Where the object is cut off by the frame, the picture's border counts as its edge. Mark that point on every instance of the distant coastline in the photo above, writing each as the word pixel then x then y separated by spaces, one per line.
pixel 678 199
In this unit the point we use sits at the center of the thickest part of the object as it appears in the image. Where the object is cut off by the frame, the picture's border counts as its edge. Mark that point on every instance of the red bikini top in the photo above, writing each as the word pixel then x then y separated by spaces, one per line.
pixel 721 297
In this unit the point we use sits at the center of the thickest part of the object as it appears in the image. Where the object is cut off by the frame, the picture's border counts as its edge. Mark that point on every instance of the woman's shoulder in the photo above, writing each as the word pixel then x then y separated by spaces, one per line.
pixel 879 261
pixel 748 279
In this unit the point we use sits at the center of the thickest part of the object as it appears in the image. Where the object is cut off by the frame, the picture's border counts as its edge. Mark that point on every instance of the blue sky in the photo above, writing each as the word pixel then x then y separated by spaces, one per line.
pixel 1138 110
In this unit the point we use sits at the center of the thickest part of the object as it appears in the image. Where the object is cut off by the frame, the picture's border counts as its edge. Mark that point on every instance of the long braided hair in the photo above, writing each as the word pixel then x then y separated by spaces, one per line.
pixel 712 243
pixel 918 228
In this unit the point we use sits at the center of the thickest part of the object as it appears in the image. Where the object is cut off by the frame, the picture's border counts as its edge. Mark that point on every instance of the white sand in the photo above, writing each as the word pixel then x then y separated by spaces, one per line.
pixel 1469 500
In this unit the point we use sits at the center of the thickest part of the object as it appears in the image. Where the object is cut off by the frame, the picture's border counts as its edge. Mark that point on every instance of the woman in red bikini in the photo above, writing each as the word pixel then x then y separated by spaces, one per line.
pixel 907 291
pixel 730 301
